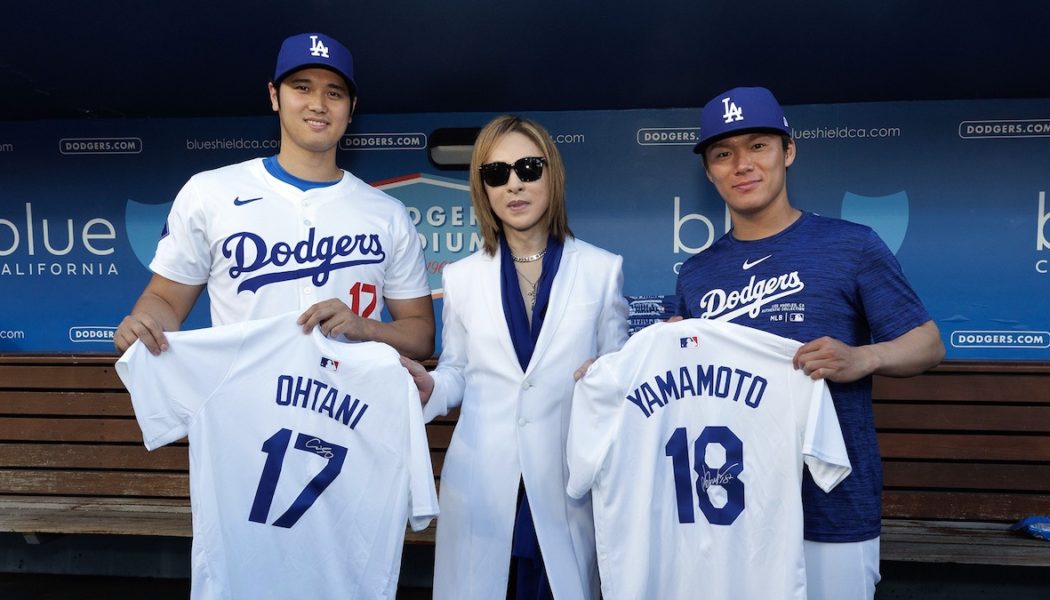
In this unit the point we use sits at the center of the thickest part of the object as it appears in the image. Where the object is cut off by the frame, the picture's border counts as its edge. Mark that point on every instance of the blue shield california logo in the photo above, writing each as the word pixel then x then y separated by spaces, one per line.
pixel 887 215
pixel 144 224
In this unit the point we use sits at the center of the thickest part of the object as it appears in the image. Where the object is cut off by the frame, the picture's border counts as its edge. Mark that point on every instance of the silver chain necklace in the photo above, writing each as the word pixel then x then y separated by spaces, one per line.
pixel 530 258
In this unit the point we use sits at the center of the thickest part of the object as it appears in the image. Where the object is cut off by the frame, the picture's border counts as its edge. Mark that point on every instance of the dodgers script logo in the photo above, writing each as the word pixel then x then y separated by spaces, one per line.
pixel 317 47
pixel 316 257
pixel 726 306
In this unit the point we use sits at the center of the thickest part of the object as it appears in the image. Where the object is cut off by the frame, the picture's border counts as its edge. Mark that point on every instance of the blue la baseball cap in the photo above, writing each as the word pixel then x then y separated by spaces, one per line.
pixel 315 50
pixel 740 110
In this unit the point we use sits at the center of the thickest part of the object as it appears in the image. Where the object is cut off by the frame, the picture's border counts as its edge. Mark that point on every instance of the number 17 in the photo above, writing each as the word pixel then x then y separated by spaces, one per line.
pixel 275 448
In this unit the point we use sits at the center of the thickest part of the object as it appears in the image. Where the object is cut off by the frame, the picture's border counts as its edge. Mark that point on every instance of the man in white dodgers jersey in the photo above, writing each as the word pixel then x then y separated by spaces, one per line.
pixel 692 440
pixel 828 283
pixel 307 457
pixel 292 231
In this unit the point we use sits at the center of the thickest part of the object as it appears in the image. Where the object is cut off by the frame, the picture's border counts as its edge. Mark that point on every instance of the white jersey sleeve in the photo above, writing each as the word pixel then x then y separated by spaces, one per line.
pixel 170 389
pixel 184 250
pixel 422 494
pixel 406 278
pixel 824 448
pixel 594 425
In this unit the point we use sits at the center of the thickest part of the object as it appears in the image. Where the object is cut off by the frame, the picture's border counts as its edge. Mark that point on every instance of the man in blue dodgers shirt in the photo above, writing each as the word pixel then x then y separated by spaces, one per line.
pixel 292 231
pixel 831 284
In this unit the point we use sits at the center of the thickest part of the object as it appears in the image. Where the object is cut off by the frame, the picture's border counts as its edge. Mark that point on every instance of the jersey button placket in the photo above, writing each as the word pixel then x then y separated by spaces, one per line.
pixel 306 213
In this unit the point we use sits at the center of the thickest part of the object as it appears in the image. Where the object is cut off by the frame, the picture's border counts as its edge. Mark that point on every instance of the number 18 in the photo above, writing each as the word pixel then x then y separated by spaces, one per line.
pixel 725 476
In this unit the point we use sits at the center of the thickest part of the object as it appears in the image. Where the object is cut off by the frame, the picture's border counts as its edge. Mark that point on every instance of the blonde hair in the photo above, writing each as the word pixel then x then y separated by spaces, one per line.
pixel 489 224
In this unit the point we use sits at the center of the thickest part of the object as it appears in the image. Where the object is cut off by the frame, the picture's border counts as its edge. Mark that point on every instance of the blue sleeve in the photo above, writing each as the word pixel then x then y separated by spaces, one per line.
pixel 891 306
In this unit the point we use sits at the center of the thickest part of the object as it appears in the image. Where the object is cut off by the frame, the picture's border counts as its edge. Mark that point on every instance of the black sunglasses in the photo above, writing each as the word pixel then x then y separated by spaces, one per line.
pixel 528 169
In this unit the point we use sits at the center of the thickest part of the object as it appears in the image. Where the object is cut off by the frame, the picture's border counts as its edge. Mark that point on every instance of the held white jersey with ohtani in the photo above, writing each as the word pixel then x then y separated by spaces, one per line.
pixel 692 441
pixel 307 457
pixel 265 247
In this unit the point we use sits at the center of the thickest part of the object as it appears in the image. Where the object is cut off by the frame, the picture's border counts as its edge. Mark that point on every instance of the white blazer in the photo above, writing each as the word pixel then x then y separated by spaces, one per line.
pixel 513 425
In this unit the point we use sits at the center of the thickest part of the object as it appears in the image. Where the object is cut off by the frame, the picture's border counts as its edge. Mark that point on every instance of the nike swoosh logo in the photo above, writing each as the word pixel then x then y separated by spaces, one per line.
pixel 238 202
pixel 748 264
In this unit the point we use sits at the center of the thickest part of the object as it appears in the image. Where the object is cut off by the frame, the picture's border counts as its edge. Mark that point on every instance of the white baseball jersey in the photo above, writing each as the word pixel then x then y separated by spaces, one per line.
pixel 307 456
pixel 265 247
pixel 692 440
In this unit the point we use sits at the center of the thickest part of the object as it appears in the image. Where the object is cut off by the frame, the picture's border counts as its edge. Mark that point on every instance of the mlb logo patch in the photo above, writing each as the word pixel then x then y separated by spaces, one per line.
pixel 690 342
pixel 796 317
pixel 329 364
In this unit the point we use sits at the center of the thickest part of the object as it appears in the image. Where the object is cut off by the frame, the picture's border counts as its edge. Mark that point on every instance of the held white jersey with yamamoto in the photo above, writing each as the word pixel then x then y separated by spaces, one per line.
pixel 265 247
pixel 692 441
pixel 307 457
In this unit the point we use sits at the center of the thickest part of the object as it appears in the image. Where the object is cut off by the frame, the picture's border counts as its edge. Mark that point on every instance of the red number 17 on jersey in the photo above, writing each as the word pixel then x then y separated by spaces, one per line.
pixel 367 292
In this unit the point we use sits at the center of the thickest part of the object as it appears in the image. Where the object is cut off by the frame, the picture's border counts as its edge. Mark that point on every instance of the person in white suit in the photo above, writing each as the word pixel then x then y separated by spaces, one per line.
pixel 519 317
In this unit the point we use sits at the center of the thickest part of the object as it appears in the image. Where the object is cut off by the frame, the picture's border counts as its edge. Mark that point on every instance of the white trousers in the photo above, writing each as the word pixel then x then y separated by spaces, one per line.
pixel 842 571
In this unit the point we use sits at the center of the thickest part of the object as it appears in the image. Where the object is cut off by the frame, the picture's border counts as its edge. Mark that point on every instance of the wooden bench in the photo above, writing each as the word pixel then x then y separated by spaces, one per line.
pixel 966 453
pixel 72 459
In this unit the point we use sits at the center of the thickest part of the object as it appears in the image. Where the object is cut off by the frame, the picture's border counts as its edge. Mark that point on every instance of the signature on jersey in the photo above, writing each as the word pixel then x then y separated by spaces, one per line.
pixel 319 448
pixel 721 477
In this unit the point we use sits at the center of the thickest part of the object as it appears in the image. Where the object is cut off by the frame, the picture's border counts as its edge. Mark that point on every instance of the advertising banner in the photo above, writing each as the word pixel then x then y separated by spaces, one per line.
pixel 956 189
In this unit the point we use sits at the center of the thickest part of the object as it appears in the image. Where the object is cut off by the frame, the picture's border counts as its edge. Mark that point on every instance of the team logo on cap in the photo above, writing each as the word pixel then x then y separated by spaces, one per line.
pixel 317 48
pixel 733 112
